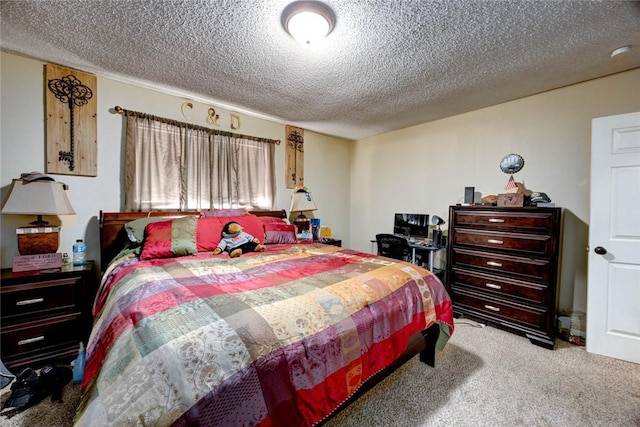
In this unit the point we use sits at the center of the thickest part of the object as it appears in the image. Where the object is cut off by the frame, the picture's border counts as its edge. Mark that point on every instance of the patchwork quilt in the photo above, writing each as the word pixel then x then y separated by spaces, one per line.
pixel 281 337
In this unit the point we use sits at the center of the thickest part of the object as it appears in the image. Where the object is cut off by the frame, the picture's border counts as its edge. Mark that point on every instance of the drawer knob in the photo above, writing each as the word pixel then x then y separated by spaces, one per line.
pixel 30 301
pixel 494 264
pixel 496 220
pixel 495 242
pixel 31 340
pixel 492 286
pixel 492 308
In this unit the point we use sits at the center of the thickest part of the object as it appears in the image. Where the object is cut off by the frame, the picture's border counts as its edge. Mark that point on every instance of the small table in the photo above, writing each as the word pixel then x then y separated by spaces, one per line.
pixel 417 245
pixel 423 246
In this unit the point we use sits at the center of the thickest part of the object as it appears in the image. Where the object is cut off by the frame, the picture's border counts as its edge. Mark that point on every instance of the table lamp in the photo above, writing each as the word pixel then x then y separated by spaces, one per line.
pixel 39 195
pixel 301 201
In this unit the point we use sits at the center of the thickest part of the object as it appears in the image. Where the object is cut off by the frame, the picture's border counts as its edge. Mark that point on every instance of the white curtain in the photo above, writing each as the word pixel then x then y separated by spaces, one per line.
pixel 175 166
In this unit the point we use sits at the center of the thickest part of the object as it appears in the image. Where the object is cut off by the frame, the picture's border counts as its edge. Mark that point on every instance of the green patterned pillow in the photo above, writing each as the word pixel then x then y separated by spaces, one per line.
pixel 173 238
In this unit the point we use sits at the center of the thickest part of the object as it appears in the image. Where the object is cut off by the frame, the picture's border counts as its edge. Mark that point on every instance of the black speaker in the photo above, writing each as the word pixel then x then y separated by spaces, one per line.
pixel 468 194
pixel 436 240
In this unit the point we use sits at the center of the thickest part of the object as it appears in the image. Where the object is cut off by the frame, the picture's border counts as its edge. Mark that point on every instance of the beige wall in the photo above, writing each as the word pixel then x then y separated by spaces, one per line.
pixel 358 186
pixel 22 149
pixel 424 169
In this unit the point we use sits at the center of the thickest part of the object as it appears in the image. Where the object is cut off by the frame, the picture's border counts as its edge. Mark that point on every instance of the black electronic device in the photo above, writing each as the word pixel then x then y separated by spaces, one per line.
pixel 414 225
pixel 538 197
pixel 469 194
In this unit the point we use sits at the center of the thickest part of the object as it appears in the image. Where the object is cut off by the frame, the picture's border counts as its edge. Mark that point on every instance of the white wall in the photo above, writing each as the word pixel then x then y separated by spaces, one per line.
pixel 22 149
pixel 424 169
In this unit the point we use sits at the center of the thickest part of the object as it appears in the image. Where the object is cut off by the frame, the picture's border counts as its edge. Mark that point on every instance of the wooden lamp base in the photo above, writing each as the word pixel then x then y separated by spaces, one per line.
pixel 38 240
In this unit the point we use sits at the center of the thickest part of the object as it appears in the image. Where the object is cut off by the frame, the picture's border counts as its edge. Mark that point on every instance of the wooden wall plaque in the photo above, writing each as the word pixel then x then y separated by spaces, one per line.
pixel 71 116
pixel 294 165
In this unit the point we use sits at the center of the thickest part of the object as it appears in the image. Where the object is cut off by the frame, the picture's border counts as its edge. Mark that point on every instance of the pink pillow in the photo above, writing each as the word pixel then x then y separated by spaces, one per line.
pixel 173 238
pixel 272 220
pixel 224 212
pixel 276 233
pixel 249 222
pixel 208 234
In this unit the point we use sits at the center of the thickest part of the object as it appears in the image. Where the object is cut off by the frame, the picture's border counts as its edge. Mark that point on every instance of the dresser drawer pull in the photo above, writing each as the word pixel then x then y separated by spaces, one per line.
pixel 30 301
pixel 495 242
pixel 31 340
pixel 492 286
pixel 494 264
pixel 496 220
pixel 492 308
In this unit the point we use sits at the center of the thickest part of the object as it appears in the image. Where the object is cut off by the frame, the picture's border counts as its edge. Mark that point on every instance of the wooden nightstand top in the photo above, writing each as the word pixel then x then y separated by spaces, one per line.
pixel 7 273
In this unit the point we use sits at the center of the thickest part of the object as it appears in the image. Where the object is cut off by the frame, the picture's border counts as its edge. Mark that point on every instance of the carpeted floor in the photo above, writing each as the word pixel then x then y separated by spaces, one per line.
pixel 484 377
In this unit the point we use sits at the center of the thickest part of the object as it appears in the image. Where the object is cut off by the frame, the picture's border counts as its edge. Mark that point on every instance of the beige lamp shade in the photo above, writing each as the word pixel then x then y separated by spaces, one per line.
pixel 37 198
pixel 302 201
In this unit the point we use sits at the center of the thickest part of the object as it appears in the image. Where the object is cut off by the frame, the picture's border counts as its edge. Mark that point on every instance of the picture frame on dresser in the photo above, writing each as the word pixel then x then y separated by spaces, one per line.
pixel 503 268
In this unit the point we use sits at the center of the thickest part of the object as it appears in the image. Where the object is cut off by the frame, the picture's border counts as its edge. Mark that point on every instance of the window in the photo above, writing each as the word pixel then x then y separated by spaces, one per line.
pixel 171 165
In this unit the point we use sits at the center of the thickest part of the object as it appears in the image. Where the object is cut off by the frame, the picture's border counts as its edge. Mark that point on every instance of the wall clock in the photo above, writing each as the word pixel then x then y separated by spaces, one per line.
pixel 511 163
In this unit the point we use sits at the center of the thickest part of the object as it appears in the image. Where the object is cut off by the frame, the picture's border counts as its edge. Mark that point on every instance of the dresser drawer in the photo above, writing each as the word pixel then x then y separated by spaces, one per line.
pixel 529 244
pixel 40 298
pixel 506 220
pixel 527 268
pixel 499 286
pixel 534 317
pixel 37 336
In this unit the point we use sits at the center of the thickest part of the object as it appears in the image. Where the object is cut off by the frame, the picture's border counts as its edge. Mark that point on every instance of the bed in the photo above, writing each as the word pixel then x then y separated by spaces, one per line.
pixel 288 336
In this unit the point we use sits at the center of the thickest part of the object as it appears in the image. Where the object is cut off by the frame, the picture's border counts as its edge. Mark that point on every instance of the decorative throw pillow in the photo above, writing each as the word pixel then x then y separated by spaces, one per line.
pixel 276 233
pixel 208 234
pixel 272 220
pixel 224 212
pixel 135 228
pixel 171 238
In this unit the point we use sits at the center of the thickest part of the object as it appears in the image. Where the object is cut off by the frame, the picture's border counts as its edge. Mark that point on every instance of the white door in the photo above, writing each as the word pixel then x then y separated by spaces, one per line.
pixel 613 295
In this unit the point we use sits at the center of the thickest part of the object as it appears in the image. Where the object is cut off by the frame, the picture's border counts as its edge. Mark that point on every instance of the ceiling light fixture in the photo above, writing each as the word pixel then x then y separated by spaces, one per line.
pixel 620 50
pixel 308 21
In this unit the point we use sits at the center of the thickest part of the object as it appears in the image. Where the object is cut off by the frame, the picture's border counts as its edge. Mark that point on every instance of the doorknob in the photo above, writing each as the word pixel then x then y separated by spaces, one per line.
pixel 600 250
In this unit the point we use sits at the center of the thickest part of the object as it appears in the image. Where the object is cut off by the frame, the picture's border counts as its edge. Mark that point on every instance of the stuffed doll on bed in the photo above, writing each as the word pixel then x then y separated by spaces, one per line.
pixel 236 242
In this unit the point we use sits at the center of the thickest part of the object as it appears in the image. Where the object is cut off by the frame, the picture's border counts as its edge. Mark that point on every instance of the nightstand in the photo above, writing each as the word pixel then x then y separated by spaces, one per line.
pixel 45 314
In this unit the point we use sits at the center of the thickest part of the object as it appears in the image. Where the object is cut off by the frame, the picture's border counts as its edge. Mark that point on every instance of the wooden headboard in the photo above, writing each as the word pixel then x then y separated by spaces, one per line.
pixel 112 227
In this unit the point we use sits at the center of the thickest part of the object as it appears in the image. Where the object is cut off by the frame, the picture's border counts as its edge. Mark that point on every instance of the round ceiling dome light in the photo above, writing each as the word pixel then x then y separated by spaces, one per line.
pixel 621 50
pixel 308 21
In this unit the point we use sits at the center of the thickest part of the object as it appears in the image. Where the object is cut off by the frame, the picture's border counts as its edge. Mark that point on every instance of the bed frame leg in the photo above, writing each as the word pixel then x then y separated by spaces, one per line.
pixel 428 355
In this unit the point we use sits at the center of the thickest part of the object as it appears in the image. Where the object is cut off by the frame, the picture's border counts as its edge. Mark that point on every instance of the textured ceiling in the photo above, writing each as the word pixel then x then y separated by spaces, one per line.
pixel 388 64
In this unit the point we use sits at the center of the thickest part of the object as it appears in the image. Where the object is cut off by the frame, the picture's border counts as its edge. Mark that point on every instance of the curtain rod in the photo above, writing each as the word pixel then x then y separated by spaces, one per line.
pixel 119 110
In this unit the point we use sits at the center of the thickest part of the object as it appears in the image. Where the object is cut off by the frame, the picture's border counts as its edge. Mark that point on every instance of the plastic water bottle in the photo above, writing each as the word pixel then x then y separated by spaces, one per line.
pixel 78 365
pixel 79 253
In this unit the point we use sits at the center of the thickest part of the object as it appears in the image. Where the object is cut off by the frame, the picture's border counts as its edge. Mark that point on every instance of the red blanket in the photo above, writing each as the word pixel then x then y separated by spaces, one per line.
pixel 277 338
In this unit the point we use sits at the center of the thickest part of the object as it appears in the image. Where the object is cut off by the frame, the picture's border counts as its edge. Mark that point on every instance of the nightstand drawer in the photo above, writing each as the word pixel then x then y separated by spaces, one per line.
pixel 45 314
pixel 37 336
pixel 499 286
pixel 530 244
pixel 39 298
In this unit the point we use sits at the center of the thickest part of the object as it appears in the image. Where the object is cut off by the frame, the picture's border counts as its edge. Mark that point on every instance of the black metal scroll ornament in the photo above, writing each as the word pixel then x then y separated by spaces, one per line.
pixel 296 142
pixel 70 91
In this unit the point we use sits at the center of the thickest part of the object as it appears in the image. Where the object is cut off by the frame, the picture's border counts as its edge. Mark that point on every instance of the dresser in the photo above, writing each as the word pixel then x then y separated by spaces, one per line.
pixel 502 268
pixel 45 315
